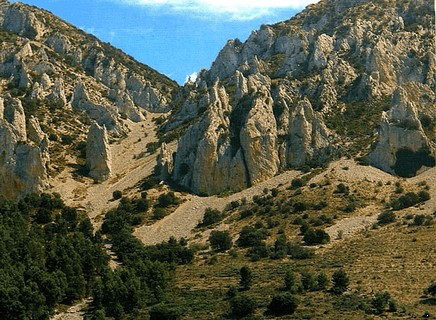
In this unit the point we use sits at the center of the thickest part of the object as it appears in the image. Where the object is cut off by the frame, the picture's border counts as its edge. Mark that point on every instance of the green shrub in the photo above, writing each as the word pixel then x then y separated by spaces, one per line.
pixel 210 217
pixel 386 217
pixel 322 281
pixel 297 183
pixel 405 201
pixel 340 282
pixel 167 199
pixel 246 277
pixel 242 306
pixel 308 281
pixel 258 251
pixel 249 236
pixel 296 251
pixel 289 280
pixel 232 291
pixel 159 213
pixel 284 304
pixel 380 301
pixel 316 236
pixel 220 240
pixel 117 194
pixel 342 188
pixel 423 196
pixel 152 147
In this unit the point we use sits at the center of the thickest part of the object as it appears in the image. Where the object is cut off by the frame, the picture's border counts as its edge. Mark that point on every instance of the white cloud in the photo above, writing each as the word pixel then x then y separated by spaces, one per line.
pixel 193 77
pixel 228 9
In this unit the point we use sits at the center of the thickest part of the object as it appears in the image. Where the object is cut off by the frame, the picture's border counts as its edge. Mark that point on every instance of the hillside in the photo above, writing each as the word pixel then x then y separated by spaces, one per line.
pixel 56 80
pixel 295 179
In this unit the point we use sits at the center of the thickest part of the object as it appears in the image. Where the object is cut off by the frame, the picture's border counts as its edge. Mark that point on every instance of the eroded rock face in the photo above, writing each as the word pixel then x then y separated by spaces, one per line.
pixel 165 162
pixel 17 19
pixel 23 158
pixel 98 155
pixel 403 146
pixel 206 161
pixel 288 81
pixel 236 147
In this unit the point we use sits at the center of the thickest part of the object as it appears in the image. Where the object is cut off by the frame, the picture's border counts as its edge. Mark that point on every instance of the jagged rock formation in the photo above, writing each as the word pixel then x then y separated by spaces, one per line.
pixel 312 88
pixel 98 155
pixel 403 146
pixel 64 79
pixel 165 162
pixel 23 157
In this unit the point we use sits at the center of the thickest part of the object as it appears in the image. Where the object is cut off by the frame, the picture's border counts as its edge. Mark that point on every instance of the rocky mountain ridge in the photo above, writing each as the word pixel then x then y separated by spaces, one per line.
pixel 352 78
pixel 55 79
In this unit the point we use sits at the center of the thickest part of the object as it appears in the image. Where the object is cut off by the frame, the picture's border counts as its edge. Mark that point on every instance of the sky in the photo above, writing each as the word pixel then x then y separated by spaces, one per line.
pixel 175 37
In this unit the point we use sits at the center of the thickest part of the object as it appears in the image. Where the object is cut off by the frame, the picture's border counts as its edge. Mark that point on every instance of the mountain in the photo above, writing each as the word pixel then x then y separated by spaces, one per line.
pixel 351 78
pixel 55 80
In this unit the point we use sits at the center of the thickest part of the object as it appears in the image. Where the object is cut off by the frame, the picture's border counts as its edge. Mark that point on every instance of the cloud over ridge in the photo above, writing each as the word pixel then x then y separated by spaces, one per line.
pixel 228 9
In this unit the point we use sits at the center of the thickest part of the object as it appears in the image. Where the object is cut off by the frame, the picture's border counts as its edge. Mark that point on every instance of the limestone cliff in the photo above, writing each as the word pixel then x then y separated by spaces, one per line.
pixel 342 77
pixel 24 157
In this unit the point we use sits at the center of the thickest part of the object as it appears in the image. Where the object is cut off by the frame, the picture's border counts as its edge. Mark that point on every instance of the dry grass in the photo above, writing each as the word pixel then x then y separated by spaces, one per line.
pixel 399 258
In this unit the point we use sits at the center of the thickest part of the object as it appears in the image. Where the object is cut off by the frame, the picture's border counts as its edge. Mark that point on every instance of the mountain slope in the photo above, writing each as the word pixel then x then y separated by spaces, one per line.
pixel 55 80
pixel 349 78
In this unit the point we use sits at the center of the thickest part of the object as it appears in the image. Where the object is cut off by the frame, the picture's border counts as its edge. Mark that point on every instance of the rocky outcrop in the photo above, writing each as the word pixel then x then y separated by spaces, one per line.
pixel 233 147
pixel 104 115
pixel 306 90
pixel 23 158
pixel 403 147
pixel 15 18
pixel 165 162
pixel 98 155
pixel 308 135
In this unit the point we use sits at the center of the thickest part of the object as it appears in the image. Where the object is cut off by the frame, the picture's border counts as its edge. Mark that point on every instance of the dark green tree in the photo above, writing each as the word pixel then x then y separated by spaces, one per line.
pixel 340 281
pixel 246 277
pixel 220 240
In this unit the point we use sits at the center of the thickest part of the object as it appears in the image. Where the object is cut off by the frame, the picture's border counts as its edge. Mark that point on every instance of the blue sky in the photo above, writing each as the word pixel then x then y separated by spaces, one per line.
pixel 177 38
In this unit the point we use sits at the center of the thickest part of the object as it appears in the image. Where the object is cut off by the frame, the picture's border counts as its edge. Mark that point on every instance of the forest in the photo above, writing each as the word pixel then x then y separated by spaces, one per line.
pixel 50 256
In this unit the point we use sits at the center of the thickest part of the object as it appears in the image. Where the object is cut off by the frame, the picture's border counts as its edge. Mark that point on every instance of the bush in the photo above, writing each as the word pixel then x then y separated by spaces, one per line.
pixel 167 199
pixel 342 188
pixel 117 194
pixel 211 216
pixel 232 291
pixel 158 213
pixel 296 251
pixel 340 282
pixel 242 306
pixel 249 236
pixel 152 147
pixel 423 196
pixel 259 250
pixel 246 277
pixel 308 281
pixel 322 281
pixel 220 240
pixel 297 183
pixel 284 304
pixel 386 217
pixel 317 236
pixel 380 301
pixel 289 280
pixel 405 201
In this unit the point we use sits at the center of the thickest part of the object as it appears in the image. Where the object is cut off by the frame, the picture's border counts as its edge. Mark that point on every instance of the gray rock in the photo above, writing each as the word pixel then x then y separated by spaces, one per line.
pixel 98 155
